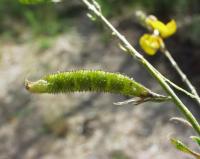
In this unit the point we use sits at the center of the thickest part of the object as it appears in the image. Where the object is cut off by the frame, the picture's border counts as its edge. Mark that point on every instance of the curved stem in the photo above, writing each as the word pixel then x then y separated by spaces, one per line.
pixel 136 55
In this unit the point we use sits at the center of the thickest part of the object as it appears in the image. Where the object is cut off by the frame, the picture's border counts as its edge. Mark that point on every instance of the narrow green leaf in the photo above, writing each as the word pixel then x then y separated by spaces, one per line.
pixel 196 139
pixel 184 148
pixel 180 146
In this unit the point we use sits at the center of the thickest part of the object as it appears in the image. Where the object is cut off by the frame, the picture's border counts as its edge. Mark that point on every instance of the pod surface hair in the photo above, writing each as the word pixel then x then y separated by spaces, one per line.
pixel 89 80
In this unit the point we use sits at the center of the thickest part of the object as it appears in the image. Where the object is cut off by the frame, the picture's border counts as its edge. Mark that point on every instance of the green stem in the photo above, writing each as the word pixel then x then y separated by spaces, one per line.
pixel 177 87
pixel 181 89
pixel 136 55
pixel 182 75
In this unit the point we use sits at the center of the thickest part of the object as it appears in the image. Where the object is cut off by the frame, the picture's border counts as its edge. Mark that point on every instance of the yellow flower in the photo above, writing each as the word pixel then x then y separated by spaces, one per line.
pixel 150 43
pixel 165 30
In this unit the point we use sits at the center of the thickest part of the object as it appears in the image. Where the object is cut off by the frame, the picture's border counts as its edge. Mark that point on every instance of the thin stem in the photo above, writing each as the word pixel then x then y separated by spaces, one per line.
pixel 178 87
pixel 182 75
pixel 136 55
pixel 181 89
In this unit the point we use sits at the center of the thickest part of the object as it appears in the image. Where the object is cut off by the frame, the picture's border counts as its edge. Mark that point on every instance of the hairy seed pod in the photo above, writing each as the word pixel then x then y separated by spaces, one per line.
pixel 88 80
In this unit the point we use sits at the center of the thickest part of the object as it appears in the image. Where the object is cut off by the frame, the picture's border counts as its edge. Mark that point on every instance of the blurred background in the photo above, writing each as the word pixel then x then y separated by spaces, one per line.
pixel 39 39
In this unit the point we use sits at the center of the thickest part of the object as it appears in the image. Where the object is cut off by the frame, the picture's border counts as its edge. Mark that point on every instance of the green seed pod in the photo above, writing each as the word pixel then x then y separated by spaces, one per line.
pixel 88 80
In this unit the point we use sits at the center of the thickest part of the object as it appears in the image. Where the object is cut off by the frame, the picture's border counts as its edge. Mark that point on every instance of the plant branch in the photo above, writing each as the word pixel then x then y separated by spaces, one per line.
pixel 182 75
pixel 136 55
pixel 178 87
pixel 181 89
